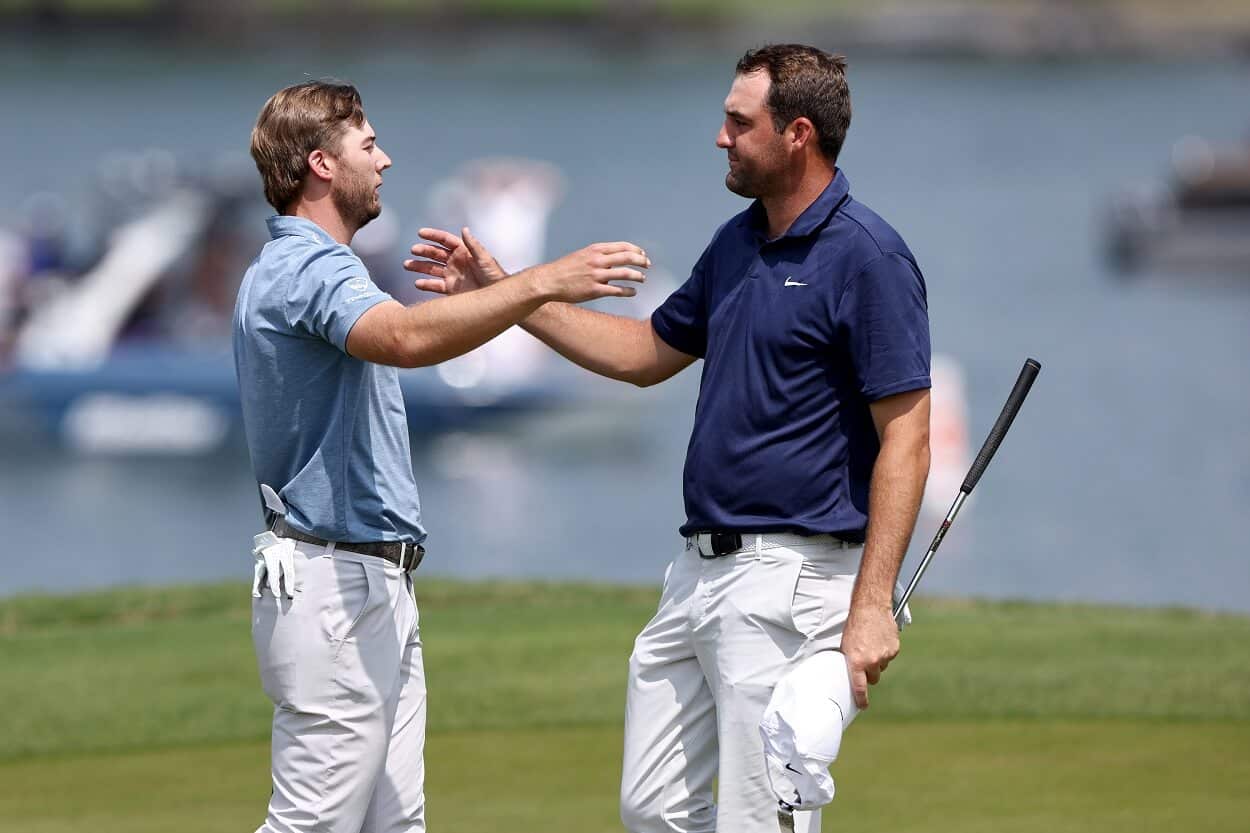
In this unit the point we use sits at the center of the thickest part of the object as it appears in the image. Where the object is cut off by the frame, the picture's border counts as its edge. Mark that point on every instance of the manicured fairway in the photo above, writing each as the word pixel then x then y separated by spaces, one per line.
pixel 139 710
pixel 974 777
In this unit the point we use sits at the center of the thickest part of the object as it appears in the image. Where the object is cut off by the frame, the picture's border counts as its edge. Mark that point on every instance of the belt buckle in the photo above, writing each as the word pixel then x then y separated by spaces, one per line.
pixel 723 543
pixel 410 556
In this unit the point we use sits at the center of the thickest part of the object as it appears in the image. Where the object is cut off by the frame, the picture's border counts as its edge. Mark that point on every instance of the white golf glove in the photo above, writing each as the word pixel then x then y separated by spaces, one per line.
pixel 275 565
pixel 905 619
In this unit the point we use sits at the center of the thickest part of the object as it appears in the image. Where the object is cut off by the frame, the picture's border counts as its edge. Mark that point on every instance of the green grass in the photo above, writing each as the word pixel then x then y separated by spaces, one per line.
pixel 140 709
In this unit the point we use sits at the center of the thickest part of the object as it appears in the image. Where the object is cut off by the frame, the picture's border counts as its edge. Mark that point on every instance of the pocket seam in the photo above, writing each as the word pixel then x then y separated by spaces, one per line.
pixel 351 628
pixel 794 594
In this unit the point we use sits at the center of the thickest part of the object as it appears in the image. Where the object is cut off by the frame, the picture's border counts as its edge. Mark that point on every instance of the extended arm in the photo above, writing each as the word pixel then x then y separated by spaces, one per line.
pixel 443 328
pixel 870 639
pixel 611 345
pixel 440 329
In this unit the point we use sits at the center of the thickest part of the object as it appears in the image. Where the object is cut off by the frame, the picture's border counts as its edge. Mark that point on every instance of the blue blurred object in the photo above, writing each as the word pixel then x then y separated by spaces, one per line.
pixel 173 400
pixel 130 353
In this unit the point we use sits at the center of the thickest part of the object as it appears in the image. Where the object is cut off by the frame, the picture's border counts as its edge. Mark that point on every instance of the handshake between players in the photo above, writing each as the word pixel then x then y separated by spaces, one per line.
pixel 457 264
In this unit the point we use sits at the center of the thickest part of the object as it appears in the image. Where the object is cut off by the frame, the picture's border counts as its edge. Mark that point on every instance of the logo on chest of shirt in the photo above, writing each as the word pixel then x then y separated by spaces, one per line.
pixel 790 281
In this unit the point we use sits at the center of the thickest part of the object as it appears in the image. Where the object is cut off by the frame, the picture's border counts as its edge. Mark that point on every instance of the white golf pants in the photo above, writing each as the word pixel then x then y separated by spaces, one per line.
pixel 342 664
pixel 701 674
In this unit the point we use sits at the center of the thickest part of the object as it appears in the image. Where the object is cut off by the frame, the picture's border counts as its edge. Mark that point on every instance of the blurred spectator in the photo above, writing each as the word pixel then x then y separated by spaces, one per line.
pixel 12 271
pixel 507 203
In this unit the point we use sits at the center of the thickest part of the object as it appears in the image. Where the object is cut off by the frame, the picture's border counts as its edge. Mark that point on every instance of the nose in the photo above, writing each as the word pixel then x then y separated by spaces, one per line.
pixel 722 139
pixel 384 161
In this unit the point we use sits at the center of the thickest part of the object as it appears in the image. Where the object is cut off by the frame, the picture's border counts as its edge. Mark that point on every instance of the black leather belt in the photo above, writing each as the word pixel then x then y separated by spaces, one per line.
pixel 402 554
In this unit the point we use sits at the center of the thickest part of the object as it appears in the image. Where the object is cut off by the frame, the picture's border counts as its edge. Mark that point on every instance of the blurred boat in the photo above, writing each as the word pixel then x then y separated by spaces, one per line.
pixel 170 400
pixel 1199 221
pixel 132 355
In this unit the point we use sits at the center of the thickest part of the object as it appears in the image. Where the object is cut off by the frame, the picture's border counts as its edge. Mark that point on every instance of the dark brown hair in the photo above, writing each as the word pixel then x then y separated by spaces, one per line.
pixel 294 122
pixel 805 82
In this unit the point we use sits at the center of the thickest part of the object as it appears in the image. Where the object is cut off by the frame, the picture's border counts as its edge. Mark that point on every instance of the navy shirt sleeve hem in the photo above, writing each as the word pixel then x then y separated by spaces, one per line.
pixel 671 338
pixel 902 386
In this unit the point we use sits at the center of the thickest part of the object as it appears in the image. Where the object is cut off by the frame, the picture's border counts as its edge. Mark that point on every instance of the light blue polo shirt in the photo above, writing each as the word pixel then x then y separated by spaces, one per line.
pixel 326 430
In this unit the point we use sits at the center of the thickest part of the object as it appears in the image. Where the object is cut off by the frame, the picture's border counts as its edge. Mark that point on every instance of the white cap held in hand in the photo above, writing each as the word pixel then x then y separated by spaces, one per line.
pixel 802 729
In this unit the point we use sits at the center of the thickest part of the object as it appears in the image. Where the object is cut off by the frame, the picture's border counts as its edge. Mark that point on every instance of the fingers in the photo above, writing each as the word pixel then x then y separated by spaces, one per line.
pixel 478 249
pixel 621 274
pixel 859 687
pixel 613 291
pixel 613 248
pixel 288 572
pixel 443 238
pixel 471 243
pixel 426 267
pixel 625 258
pixel 275 576
pixel 437 253
pixel 431 285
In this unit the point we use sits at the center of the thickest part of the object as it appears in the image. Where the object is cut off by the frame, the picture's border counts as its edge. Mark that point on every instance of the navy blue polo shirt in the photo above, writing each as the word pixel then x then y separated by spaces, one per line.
pixel 798 335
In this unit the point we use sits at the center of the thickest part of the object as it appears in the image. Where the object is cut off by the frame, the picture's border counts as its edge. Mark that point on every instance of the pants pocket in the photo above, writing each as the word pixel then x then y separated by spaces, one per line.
pixel 821 601
pixel 347 602
pixel 809 599
pixel 771 591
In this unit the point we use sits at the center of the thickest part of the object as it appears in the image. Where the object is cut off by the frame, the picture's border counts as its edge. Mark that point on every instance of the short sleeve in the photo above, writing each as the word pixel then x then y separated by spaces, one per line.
pixel 883 320
pixel 329 293
pixel 682 319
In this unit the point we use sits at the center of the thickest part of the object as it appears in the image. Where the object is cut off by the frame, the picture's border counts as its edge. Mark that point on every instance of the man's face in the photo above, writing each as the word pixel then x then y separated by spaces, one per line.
pixel 757 154
pixel 358 175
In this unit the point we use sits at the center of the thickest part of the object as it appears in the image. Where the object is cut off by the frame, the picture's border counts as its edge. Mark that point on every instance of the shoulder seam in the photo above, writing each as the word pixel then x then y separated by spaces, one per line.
pixel 871 262
pixel 864 229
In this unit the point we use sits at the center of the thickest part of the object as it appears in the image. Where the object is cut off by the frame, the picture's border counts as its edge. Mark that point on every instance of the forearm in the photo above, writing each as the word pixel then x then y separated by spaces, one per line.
pixel 611 345
pixel 614 346
pixel 894 496
pixel 442 328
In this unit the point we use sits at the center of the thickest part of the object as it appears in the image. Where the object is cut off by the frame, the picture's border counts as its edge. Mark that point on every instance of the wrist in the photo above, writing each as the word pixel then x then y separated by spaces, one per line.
pixel 494 274
pixel 870 604
pixel 537 284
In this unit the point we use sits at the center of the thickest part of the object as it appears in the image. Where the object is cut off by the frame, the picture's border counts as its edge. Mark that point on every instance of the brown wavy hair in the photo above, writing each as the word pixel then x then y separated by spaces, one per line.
pixel 294 122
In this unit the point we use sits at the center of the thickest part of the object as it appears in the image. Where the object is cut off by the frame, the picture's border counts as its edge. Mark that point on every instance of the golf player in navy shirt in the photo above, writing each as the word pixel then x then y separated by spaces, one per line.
pixel 809 452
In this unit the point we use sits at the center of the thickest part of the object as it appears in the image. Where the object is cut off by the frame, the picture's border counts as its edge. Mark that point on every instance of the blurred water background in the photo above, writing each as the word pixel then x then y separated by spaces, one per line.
pixel 1125 479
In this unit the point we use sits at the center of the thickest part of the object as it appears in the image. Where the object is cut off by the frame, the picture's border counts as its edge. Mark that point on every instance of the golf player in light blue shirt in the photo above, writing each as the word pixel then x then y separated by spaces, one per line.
pixel 296 308
pixel 317 346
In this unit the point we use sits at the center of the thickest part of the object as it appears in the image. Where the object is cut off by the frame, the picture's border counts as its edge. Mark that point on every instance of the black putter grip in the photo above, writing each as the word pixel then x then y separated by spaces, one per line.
pixel 1025 381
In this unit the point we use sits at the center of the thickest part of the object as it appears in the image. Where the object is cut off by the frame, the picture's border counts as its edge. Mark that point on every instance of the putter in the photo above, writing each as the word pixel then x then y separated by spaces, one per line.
pixel 1023 383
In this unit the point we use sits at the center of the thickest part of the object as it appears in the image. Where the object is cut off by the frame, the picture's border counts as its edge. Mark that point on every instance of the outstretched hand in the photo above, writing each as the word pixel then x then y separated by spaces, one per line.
pixel 453 264
pixel 869 643
pixel 588 273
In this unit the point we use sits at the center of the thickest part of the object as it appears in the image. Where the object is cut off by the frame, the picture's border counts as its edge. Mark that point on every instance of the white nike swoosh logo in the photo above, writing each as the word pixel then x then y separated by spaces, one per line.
pixel 793 282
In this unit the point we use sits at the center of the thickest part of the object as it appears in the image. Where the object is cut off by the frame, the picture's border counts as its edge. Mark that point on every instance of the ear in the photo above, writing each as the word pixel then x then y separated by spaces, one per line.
pixel 801 133
pixel 321 165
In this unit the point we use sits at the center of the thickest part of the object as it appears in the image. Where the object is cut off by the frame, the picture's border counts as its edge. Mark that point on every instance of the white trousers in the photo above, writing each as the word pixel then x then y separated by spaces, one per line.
pixel 342 664
pixel 702 672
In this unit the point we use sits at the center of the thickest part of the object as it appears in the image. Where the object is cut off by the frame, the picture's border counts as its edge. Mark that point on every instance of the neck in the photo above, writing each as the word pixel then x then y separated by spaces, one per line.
pixel 321 211
pixel 799 191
